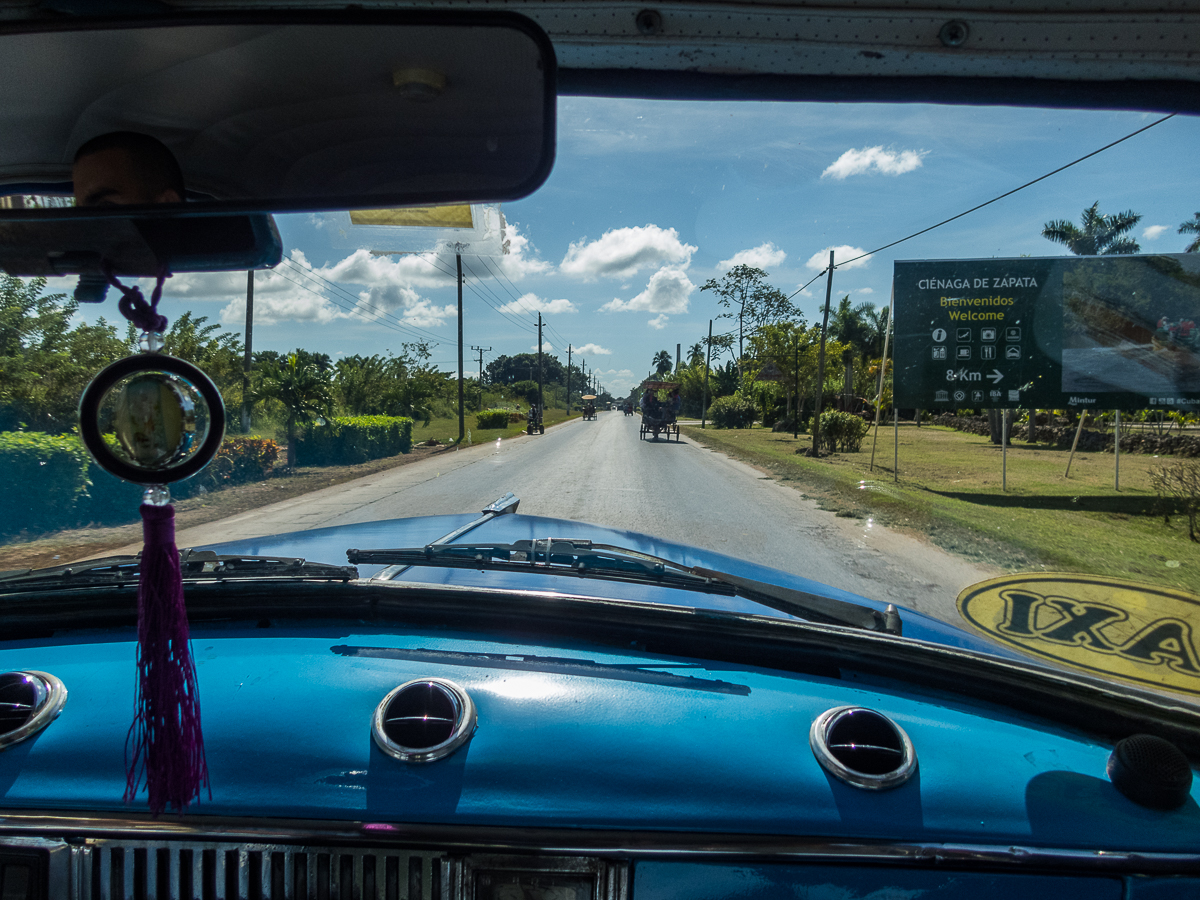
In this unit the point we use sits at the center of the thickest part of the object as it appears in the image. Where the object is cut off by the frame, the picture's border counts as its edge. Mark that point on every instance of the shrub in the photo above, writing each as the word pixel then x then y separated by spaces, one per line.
pixel 842 431
pixel 516 416
pixel 732 412
pixel 45 474
pixel 493 418
pixel 241 460
pixel 353 439
pixel 1178 487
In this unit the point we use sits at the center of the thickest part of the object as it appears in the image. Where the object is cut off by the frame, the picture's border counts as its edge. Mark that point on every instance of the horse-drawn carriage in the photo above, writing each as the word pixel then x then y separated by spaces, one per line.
pixel 589 406
pixel 658 415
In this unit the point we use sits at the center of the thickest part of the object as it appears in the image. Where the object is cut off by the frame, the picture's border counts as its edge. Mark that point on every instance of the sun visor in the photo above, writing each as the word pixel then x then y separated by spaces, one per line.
pixel 287 110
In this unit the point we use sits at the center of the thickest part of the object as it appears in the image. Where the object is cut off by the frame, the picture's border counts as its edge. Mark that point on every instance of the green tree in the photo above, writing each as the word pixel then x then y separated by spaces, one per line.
pixel 744 292
pixel 1192 227
pixel 219 354
pixel 862 326
pixel 662 363
pixel 1100 235
pixel 304 390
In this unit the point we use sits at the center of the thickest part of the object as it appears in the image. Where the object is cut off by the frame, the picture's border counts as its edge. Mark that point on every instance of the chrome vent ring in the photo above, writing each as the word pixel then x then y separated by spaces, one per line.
pixel 863 748
pixel 29 701
pixel 424 720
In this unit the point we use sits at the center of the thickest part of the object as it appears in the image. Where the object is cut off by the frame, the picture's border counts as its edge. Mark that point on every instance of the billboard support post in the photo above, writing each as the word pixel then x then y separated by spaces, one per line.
pixel 1004 449
pixel 883 369
pixel 1075 443
pixel 1117 452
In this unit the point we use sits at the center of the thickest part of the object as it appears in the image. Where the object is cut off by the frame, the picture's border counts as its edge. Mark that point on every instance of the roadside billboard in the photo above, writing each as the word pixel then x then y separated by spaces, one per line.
pixel 1083 332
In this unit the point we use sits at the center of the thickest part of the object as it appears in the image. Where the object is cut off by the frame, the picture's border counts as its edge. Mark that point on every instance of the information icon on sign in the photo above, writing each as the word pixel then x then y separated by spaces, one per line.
pixel 987 334
pixel 962 352
pixel 939 352
pixel 1013 352
pixel 939 335
pixel 976 396
pixel 963 334
pixel 941 397
pixel 960 396
pixel 1012 334
pixel 987 352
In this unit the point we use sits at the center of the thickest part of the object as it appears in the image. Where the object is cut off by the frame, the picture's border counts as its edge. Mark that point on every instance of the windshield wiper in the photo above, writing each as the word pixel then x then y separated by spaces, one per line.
pixel 586 559
pixel 195 565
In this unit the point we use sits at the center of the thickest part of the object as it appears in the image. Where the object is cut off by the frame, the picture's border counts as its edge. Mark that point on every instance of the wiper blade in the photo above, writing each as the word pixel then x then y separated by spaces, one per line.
pixel 195 565
pixel 586 559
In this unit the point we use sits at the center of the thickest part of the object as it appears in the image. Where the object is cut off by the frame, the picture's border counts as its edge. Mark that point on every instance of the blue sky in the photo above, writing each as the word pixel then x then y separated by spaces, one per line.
pixel 649 199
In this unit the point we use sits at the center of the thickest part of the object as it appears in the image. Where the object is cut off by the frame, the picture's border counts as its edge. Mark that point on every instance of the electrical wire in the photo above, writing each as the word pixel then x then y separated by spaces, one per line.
pixel 353 310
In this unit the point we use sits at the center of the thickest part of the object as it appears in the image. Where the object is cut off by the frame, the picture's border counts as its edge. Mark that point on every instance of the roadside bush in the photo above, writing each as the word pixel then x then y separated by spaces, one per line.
pixel 842 431
pixel 45 475
pixel 353 439
pixel 732 412
pixel 493 418
pixel 241 460
pixel 516 416
pixel 1178 487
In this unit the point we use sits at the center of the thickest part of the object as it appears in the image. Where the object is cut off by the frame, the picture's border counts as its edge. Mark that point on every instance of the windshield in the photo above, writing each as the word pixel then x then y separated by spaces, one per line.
pixel 593 390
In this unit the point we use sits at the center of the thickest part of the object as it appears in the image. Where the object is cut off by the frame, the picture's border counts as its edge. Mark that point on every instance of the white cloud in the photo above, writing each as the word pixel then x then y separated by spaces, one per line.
pixel 593 350
pixel 658 323
pixel 532 303
pixel 424 314
pixel 1154 232
pixel 820 260
pixel 763 256
pixel 863 291
pixel 874 159
pixel 622 252
pixel 667 292
pixel 546 347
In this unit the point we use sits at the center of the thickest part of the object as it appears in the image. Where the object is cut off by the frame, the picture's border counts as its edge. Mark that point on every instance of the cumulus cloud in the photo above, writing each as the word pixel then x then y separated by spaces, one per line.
pixel 864 290
pixel 658 323
pixel 546 347
pixel 667 292
pixel 593 350
pixel 763 256
pixel 874 159
pixel 820 260
pixel 532 303
pixel 622 252
pixel 1154 232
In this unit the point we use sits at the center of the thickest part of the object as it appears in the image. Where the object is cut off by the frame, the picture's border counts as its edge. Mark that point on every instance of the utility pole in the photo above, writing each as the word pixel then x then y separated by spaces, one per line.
pixel 541 407
pixel 482 350
pixel 816 446
pixel 707 362
pixel 462 428
pixel 246 363
pixel 568 380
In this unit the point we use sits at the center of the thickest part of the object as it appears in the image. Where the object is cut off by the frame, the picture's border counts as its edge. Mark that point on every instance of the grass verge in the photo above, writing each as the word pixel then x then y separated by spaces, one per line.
pixel 446 430
pixel 950 489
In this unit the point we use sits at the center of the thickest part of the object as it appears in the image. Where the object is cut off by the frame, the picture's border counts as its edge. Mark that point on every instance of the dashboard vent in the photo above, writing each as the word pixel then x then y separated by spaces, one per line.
pixel 29 701
pixel 863 748
pixel 424 720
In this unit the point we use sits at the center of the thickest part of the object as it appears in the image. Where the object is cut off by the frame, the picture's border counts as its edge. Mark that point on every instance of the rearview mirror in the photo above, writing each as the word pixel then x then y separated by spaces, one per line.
pixel 285 111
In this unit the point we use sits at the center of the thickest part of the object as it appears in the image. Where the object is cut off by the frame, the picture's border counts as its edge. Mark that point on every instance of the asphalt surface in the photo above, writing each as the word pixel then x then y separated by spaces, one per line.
pixel 600 471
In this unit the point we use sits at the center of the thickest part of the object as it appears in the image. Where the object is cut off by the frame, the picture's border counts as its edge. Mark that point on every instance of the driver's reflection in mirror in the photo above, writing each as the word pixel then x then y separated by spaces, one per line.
pixel 123 168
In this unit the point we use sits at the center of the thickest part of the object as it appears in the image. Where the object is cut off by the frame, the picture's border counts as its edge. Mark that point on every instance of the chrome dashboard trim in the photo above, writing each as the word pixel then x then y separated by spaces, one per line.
pixel 51 829
pixel 46 712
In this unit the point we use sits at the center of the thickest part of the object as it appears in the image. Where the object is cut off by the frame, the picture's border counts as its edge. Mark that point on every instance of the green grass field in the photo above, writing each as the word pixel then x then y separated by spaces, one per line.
pixel 949 487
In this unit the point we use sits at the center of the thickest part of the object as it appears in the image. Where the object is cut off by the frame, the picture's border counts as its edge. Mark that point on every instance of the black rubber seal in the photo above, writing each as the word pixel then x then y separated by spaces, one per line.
pixel 89 418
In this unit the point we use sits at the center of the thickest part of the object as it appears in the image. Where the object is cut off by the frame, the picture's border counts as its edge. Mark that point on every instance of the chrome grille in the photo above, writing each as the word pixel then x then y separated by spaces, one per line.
pixel 158 870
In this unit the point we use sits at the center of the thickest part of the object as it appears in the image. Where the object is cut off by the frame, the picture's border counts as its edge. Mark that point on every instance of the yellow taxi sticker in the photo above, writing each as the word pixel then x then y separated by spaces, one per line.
pixel 1134 632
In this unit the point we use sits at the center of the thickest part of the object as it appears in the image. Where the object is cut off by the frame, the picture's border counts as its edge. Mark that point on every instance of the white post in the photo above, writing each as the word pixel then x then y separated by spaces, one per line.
pixel 1004 449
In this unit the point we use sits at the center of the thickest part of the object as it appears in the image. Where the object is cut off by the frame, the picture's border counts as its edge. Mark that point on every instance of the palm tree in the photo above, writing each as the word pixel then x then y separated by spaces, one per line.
pixel 304 390
pixel 1192 227
pixel 662 363
pixel 861 326
pixel 1100 235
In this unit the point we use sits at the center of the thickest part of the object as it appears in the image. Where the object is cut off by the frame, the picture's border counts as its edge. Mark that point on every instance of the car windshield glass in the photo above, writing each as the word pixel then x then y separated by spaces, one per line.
pixel 669 291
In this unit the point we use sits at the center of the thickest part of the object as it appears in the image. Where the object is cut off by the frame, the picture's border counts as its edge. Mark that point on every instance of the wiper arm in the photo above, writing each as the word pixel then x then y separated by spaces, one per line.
pixel 195 565
pixel 606 561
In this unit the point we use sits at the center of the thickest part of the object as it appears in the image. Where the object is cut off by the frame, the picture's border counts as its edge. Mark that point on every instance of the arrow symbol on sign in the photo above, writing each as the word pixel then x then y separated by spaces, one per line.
pixel 996 375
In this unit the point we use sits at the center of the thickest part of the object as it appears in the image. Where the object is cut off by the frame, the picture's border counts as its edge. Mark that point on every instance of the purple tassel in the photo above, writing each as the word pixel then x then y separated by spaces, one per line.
pixel 167 746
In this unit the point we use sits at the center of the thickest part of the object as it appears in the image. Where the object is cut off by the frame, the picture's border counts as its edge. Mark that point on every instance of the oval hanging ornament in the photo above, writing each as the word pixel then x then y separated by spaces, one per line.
pixel 152 419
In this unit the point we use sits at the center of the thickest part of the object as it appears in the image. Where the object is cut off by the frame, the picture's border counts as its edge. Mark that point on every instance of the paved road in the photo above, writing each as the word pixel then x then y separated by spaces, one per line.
pixel 599 471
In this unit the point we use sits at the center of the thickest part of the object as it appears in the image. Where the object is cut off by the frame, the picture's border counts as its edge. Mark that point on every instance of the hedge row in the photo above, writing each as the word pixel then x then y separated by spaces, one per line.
pixel 492 418
pixel 732 412
pixel 353 439
pixel 53 484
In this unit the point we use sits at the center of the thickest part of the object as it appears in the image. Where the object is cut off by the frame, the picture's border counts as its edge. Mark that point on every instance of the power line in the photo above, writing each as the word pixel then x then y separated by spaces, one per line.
pixel 350 309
